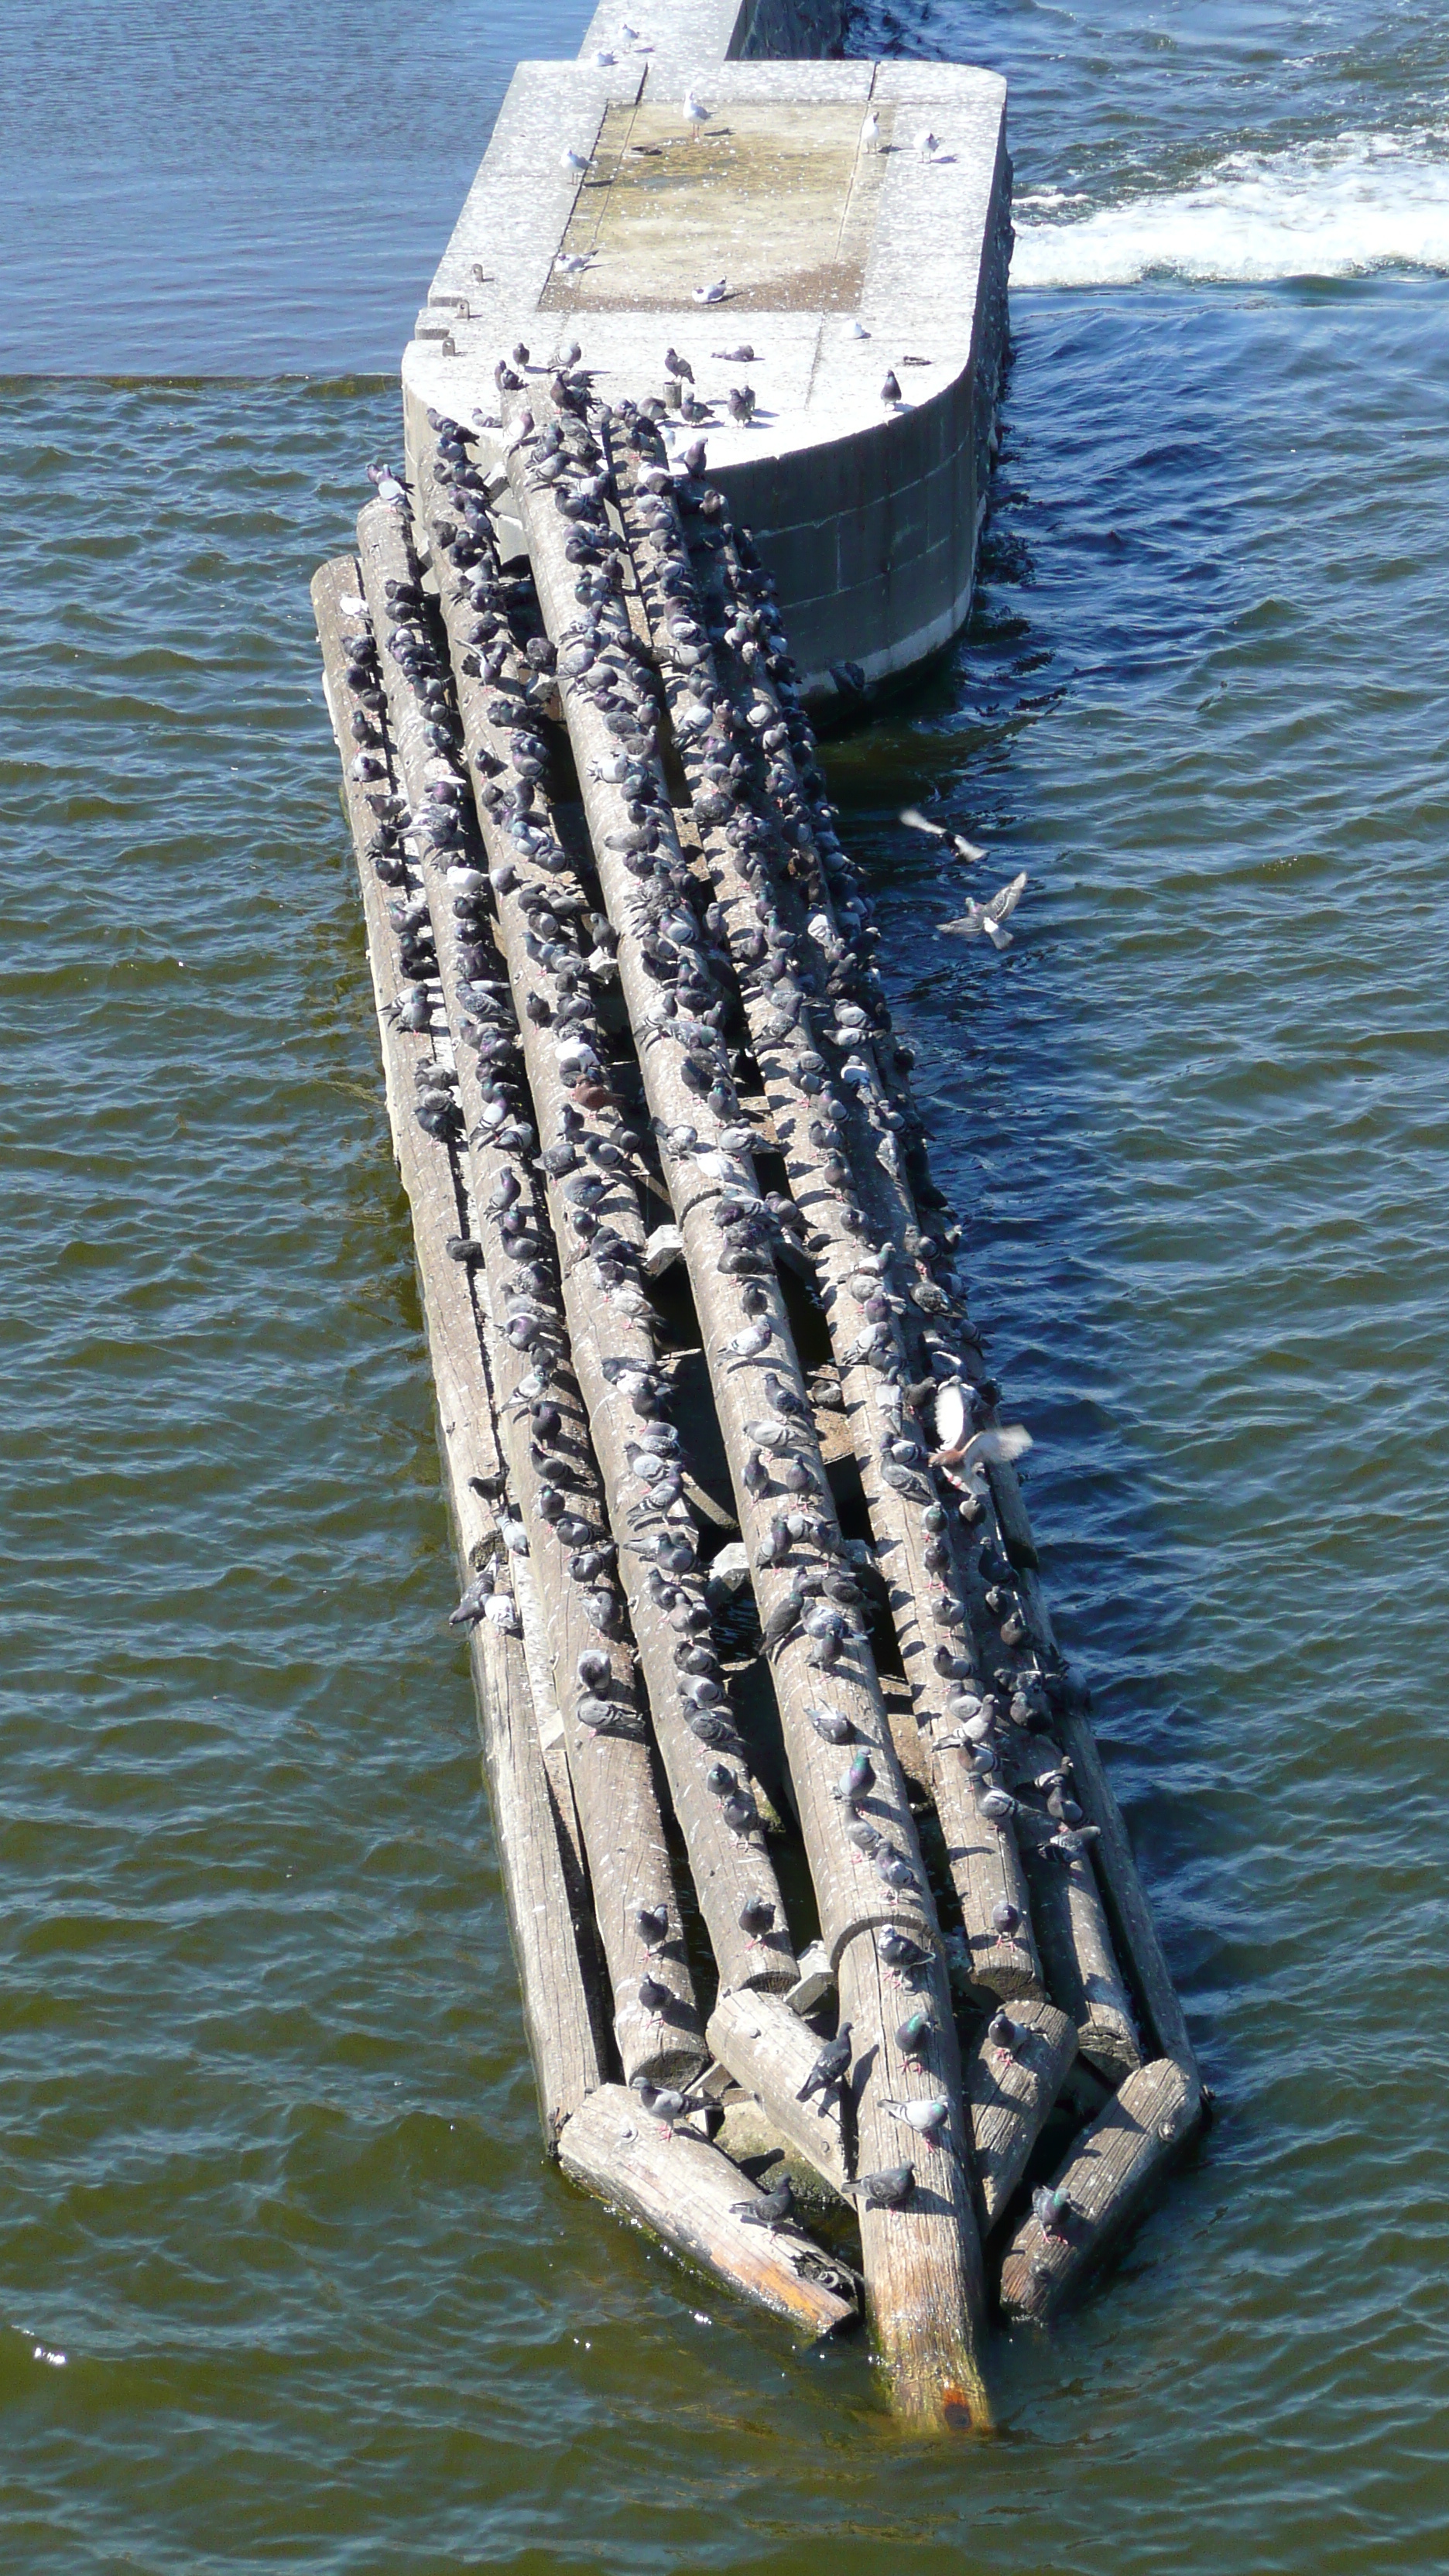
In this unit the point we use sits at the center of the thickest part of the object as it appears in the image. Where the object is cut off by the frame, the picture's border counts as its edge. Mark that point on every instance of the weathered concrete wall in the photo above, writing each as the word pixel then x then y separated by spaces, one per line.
pixel 700 33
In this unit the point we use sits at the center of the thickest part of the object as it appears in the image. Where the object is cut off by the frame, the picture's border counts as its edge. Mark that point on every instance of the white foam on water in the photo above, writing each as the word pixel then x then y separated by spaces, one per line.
pixel 1332 209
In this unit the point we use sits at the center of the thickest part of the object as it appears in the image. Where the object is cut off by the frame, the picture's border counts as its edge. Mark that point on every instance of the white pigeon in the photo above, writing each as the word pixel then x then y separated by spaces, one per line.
pixel 929 2119
pixel 916 821
pixel 996 1446
pixel 990 917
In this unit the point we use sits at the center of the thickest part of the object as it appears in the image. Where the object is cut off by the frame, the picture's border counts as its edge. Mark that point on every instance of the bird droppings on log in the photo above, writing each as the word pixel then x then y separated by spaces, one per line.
pixel 802 1826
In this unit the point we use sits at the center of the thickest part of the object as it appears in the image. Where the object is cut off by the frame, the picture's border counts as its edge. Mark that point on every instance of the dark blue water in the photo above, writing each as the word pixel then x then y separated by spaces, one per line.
pixel 283 2279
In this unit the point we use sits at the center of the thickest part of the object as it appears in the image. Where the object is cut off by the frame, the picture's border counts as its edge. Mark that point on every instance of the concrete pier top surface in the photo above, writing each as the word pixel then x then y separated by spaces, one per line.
pixel 806 218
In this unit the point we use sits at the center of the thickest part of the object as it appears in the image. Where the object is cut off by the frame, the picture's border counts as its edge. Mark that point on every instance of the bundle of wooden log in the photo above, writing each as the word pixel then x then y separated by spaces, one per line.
pixel 819 1893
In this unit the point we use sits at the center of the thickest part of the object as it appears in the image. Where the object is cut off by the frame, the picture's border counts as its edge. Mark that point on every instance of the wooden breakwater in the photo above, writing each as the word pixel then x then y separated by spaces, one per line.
pixel 779 1742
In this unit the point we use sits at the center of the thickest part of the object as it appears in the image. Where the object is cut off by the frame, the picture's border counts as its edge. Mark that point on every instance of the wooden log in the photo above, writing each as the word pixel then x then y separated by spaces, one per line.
pixel 1116 1868
pixel 823 1164
pixel 611 1770
pixel 770 2052
pixel 688 2195
pixel 850 1897
pixel 986 1863
pixel 925 2295
pixel 932 2357
pixel 607 1331
pixel 1008 2096
pixel 1080 1962
pixel 550 1923
pixel 567 2028
pixel 1104 2180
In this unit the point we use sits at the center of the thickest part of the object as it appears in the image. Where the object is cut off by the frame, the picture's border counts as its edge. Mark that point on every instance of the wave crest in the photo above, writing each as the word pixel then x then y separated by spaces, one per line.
pixel 1335 209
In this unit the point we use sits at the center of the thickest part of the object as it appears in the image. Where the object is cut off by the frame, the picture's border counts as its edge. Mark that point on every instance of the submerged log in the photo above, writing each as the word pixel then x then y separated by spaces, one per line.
pixel 689 2195
pixel 550 1920
pixel 771 2052
pixel 1009 2092
pixel 1101 2185
pixel 1132 1918
pixel 555 1487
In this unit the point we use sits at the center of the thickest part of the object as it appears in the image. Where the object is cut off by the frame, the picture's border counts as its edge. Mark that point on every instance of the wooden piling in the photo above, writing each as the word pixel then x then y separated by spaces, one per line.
pixel 610 1761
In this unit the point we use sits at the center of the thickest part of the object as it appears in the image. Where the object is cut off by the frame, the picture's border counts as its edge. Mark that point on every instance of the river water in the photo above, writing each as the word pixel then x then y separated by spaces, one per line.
pixel 283 2279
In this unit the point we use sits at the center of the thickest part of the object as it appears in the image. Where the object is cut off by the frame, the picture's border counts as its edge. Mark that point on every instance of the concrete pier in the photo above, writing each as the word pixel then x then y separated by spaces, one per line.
pixel 850 221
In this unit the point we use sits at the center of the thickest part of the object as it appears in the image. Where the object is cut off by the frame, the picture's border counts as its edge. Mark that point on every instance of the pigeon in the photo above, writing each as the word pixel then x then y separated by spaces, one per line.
pixel 663 2102
pixel 1006 2036
pixel 474 1604
pixel 830 2069
pixel 929 2118
pixel 997 1446
pixel 989 917
pixel 857 1784
pixel 651 1922
pixel 749 1344
pixel 831 1723
pixel 1053 2212
pixel 1006 1918
pixel 913 2034
pixel 772 2209
pixel 886 2189
pixel 899 1951
pixel 654 1995
pixel 890 391
pixel 916 821
pixel 678 367
pixel 757 1917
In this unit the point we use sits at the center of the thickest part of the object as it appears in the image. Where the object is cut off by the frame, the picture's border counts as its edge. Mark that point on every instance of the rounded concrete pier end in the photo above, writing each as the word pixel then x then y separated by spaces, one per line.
pixel 845 223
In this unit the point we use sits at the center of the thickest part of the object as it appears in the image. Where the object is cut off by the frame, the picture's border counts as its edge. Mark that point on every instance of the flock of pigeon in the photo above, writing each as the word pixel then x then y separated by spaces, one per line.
pixel 761 786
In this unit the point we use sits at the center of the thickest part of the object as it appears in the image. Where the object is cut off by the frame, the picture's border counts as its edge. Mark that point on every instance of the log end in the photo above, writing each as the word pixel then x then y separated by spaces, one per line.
pixel 1101 2187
